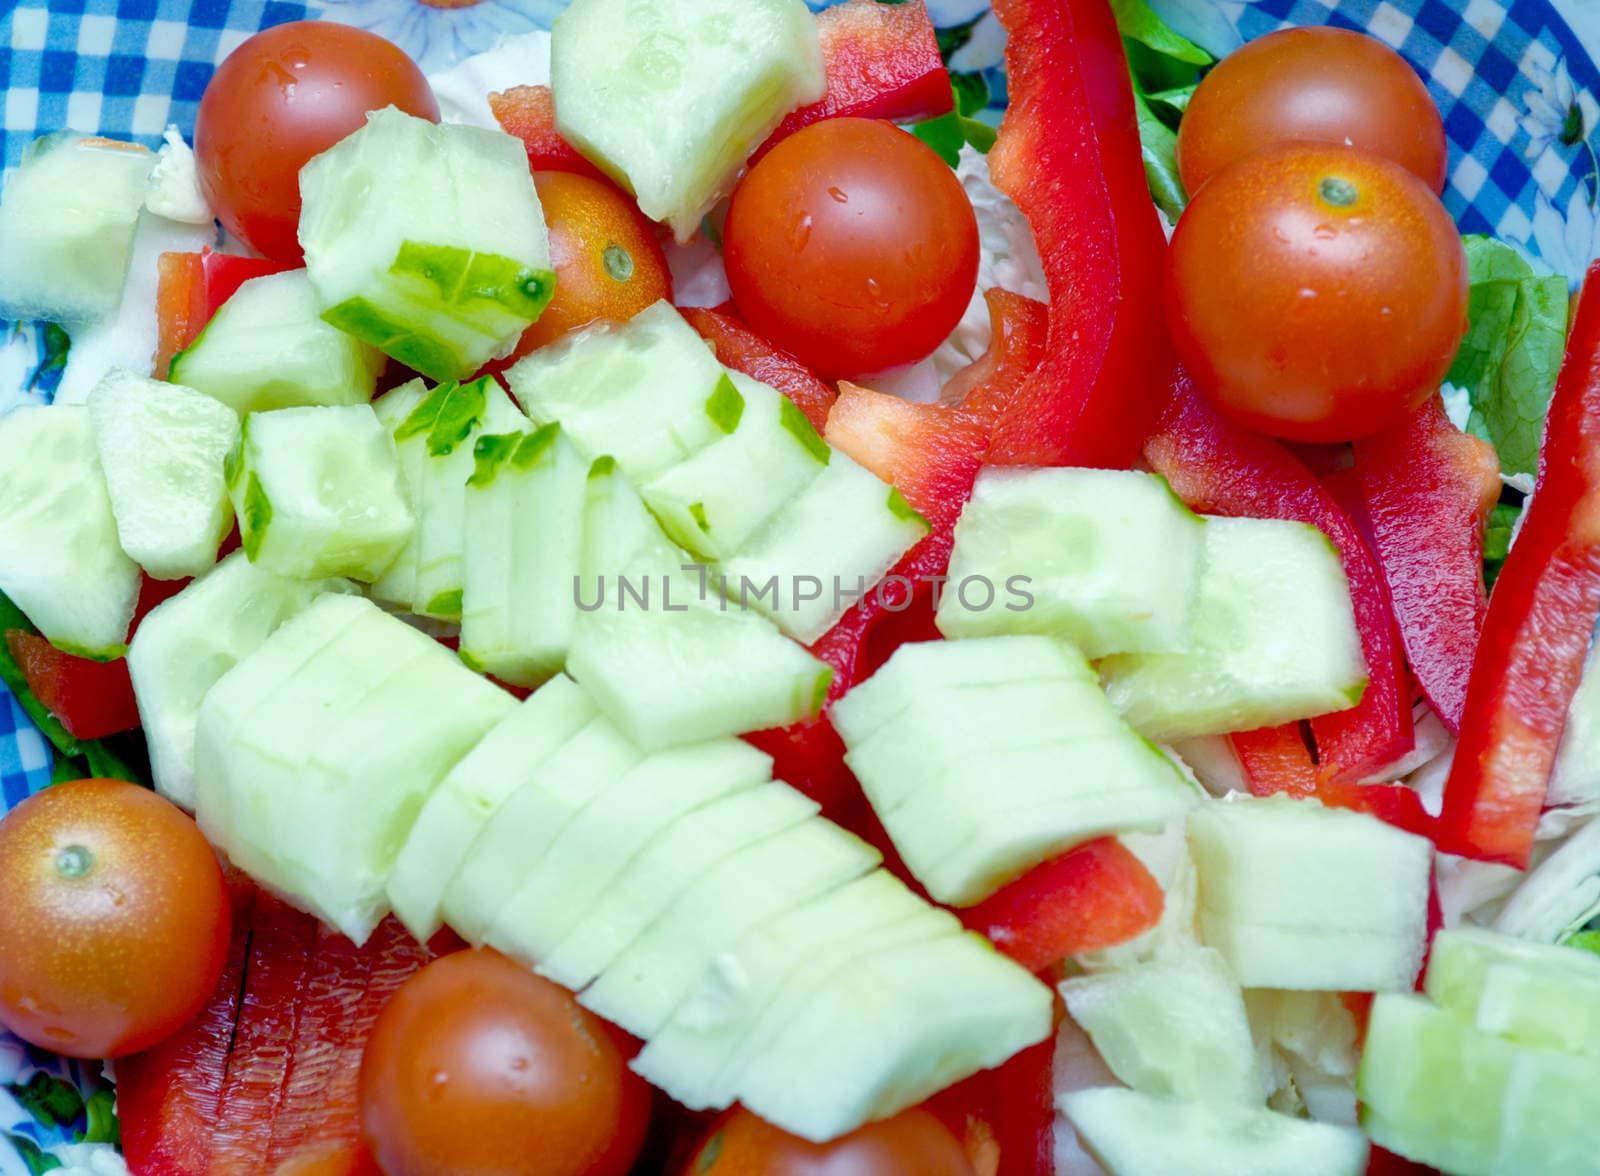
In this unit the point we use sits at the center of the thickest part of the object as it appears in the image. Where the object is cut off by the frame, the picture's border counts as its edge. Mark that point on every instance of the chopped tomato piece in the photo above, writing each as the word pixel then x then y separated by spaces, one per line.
pixel 529 113
pixel 92 699
pixel 740 348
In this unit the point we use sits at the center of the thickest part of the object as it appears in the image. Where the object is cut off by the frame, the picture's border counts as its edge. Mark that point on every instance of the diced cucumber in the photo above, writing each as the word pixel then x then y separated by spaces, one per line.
pixel 886 1031
pixel 652 880
pixel 647 981
pixel 648 392
pixel 671 96
pixel 673 667
pixel 266 348
pixel 1087 545
pixel 1134 1134
pixel 162 447
pixel 439 436
pixel 67 221
pixel 1532 993
pixel 714 501
pixel 1548 1115
pixel 1295 895
pixel 60 561
pixel 473 792
pixel 1274 639
pixel 1174 1026
pixel 190 641
pixel 688 1055
pixel 1575 779
pixel 604 837
pixel 519 833
pixel 523 523
pixel 831 544
pixel 426 241
pixel 398 584
pixel 317 492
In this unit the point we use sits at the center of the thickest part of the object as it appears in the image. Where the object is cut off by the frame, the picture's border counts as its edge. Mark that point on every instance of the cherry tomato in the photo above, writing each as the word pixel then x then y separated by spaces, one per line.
pixel 115 924
pixel 852 246
pixel 608 262
pixel 1317 293
pixel 913 1143
pixel 1321 84
pixel 478 1066
pixel 284 95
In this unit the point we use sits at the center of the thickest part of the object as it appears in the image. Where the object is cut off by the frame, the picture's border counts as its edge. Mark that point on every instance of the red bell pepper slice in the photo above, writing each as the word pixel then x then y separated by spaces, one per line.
pixel 1068 153
pixel 529 113
pixel 881 61
pixel 1278 760
pixel 1537 632
pixel 190 289
pixel 1428 489
pixel 740 348
pixel 1005 1117
pixel 1095 896
pixel 1219 468
pixel 1019 339
pixel 92 699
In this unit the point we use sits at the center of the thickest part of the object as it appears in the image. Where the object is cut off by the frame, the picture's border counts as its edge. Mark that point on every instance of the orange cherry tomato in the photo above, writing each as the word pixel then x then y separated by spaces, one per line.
pixel 1317 293
pixel 115 924
pixel 852 246
pixel 913 1143
pixel 478 1066
pixel 284 95
pixel 1312 84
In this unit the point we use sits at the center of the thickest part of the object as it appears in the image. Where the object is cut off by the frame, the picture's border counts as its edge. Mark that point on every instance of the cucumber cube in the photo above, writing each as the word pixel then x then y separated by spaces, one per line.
pixel 162 447
pixel 265 348
pixel 671 96
pixel 60 561
pixel 398 584
pixel 426 241
pixel 1548 1114
pixel 1299 896
pixel 1134 1134
pixel 1275 639
pixel 67 221
pixel 1535 994
pixel 1111 559
pixel 317 492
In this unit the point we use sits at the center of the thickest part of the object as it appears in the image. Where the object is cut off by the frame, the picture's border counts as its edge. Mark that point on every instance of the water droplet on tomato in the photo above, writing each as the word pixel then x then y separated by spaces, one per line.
pixel 839 195
pixel 801 236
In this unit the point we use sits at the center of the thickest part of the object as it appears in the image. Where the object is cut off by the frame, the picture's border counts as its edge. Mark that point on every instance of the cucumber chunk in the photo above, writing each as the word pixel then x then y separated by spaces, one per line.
pixel 265 348
pixel 188 642
pixel 523 523
pixel 518 834
pixel 646 639
pixel 647 392
pixel 162 447
pixel 671 96
pixel 886 1031
pixel 713 502
pixel 67 220
pixel 1134 1134
pixel 1299 896
pixel 1174 1027
pixel 317 492
pixel 457 811
pixel 1274 639
pixel 595 848
pixel 1111 559
pixel 647 981
pixel 1532 993
pixel 398 584
pixel 426 241
pixel 822 552
pixel 60 561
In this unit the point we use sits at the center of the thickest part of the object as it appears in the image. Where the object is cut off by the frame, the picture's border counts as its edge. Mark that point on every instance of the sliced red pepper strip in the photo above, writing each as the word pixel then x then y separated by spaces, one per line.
pixel 1005 1117
pixel 881 61
pixel 1068 153
pixel 1428 489
pixel 529 113
pixel 92 699
pixel 1019 340
pixel 1095 896
pixel 225 273
pixel 740 348
pixel 180 306
pixel 1219 468
pixel 1537 632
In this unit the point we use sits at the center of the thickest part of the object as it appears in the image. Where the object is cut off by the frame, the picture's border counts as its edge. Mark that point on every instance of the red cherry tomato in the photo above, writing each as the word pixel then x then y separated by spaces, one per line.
pixel 852 246
pixel 1320 84
pixel 115 923
pixel 284 95
pixel 913 1143
pixel 479 1066
pixel 1317 293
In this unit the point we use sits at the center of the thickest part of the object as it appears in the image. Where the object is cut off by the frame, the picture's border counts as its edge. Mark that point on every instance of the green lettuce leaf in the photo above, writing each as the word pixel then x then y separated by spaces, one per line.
pixel 1497 540
pixel 1138 22
pixel 1165 68
pixel 948 133
pixel 1508 362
